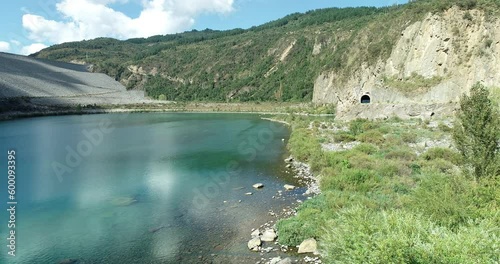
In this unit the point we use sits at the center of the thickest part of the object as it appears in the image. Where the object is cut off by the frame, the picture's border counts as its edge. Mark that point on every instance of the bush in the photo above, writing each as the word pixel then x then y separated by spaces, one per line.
pixel 404 154
pixel 372 136
pixel 344 137
pixel 360 235
pixel 409 137
pixel 162 97
pixel 444 198
pixel 441 153
pixel 477 133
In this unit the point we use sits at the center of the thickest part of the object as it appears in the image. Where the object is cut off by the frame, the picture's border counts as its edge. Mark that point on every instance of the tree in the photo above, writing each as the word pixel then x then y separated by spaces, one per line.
pixel 477 133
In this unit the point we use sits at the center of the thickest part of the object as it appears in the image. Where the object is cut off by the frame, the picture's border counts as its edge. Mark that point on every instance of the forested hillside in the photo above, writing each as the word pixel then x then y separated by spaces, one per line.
pixel 277 61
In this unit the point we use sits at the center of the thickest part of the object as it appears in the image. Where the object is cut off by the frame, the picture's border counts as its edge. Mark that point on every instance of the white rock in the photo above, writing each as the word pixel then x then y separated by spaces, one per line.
pixel 285 261
pixel 275 260
pixel 248 193
pixel 289 187
pixel 268 236
pixel 308 246
pixel 254 244
pixel 258 185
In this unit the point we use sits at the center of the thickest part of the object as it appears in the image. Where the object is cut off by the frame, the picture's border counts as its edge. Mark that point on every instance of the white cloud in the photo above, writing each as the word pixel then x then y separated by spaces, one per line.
pixel 30 49
pixel 4 46
pixel 87 19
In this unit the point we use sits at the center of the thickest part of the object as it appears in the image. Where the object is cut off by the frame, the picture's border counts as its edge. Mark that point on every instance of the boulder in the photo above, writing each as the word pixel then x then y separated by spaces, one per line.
pixel 269 235
pixel 254 244
pixel 308 246
pixel 275 260
pixel 289 187
pixel 123 201
pixel 289 160
pixel 248 193
pixel 258 185
pixel 285 261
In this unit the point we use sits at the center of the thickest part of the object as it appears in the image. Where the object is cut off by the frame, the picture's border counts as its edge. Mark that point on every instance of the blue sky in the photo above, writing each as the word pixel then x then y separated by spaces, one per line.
pixel 30 25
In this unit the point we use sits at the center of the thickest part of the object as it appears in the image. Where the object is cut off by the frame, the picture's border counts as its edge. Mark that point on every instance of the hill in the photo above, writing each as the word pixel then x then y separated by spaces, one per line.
pixel 400 55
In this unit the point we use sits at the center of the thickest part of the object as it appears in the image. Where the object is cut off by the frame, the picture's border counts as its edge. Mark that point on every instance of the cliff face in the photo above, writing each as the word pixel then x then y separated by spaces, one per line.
pixel 434 61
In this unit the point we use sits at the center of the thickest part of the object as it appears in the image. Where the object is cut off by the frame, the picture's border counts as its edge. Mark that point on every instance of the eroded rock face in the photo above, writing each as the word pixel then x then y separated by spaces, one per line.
pixel 458 51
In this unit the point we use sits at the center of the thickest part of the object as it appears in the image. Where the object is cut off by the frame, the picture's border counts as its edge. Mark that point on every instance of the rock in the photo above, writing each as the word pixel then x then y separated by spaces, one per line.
pixel 258 185
pixel 289 160
pixel 268 236
pixel 308 246
pixel 248 193
pixel 254 244
pixel 289 187
pixel 285 261
pixel 123 201
pixel 275 260
pixel 267 250
pixel 289 166
pixel 255 233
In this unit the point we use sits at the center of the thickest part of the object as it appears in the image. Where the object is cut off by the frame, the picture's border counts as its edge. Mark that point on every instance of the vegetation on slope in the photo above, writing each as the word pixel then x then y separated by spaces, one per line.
pixel 400 195
pixel 247 65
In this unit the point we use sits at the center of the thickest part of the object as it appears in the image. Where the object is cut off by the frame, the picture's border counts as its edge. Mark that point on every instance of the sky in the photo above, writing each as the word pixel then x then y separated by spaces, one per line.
pixel 31 25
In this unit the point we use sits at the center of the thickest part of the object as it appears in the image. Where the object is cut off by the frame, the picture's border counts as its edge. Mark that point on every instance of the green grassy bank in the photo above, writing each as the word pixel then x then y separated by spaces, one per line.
pixel 398 196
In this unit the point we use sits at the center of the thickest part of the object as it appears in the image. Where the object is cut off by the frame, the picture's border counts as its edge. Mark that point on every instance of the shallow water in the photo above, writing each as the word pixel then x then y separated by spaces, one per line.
pixel 139 188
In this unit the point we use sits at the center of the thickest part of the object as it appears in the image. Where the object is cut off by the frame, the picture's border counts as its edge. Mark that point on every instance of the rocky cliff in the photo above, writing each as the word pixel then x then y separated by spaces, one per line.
pixel 434 61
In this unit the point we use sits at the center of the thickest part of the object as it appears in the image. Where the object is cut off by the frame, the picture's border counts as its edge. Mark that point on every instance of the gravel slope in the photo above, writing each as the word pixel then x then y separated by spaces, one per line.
pixel 59 83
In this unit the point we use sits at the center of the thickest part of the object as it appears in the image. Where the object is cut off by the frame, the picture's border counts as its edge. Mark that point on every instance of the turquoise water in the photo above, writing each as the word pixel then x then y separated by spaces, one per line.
pixel 138 188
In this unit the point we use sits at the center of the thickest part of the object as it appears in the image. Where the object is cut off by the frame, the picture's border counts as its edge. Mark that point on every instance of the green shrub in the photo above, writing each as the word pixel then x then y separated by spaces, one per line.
pixel 362 161
pixel 477 133
pixel 393 168
pixel 409 137
pixel 372 136
pixel 306 224
pixel 405 154
pixel 360 235
pixel 444 198
pixel 359 126
pixel 162 97
pixel 441 153
pixel 366 148
pixel 344 137
pixel 437 165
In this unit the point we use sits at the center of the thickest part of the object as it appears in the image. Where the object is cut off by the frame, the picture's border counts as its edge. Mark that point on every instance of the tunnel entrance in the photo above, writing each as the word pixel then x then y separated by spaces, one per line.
pixel 365 99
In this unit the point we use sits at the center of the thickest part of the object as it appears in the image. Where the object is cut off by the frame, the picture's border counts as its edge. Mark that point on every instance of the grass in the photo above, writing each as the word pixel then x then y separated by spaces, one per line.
pixel 413 84
pixel 382 202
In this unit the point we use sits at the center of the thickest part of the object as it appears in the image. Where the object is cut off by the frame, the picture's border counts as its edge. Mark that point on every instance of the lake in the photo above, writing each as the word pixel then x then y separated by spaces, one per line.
pixel 141 188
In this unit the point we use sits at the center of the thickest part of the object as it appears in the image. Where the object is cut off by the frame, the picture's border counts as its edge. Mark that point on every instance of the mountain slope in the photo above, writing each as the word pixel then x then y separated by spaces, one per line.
pixel 328 56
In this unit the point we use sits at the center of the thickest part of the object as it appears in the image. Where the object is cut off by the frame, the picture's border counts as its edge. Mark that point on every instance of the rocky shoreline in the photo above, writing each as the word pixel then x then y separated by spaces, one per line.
pixel 263 239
